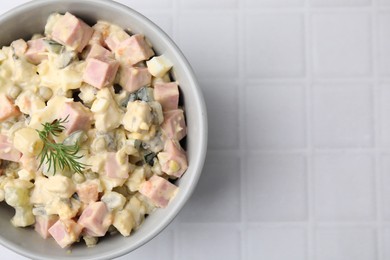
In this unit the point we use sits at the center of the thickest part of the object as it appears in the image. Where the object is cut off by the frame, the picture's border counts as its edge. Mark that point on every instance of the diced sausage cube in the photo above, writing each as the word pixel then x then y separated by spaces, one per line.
pixel 114 39
pixel 72 32
pixel 8 151
pixel 7 108
pixel 65 232
pixel 158 190
pixel 88 192
pixel 133 50
pixel 95 219
pixel 173 159
pixel 133 78
pixel 36 51
pixel 167 94
pixel 174 125
pixel 97 51
pixel 44 223
pixel 114 168
pixel 100 72
pixel 79 117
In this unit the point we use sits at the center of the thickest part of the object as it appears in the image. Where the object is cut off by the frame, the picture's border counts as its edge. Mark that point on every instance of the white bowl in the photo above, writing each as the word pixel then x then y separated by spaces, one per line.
pixel 30 18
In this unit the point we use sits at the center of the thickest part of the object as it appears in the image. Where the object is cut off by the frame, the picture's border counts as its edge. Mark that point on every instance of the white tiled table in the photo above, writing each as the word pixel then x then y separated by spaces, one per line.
pixel 298 96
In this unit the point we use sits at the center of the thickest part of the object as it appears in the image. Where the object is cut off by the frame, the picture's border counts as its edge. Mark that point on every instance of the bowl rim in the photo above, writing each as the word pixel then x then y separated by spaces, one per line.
pixel 200 104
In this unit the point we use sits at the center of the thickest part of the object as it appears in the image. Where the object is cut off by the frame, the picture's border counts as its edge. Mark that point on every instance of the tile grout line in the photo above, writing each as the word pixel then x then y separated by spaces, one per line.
pixel 376 126
pixel 241 53
pixel 310 243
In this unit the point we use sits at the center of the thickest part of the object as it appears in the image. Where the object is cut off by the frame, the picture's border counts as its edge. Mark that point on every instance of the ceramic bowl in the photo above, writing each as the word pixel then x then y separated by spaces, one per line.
pixel 30 18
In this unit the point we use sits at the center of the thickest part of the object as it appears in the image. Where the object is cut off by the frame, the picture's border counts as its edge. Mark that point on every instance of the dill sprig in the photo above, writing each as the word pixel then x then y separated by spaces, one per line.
pixel 58 154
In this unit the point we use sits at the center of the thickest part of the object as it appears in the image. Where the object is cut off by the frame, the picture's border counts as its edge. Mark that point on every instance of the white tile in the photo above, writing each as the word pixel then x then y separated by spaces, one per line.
pixel 384 2
pixel 162 20
pixel 341 3
pixel 208 242
pixel 383 54
pixel 217 196
pixel 345 244
pixel 8 254
pixel 384 115
pixel 146 4
pixel 205 4
pixel 278 3
pixel 342 44
pixel 344 187
pixel 275 116
pixel 386 240
pixel 275 187
pixel 279 243
pixel 385 185
pixel 163 244
pixel 210 43
pixel 222 115
pixel 266 51
pixel 342 115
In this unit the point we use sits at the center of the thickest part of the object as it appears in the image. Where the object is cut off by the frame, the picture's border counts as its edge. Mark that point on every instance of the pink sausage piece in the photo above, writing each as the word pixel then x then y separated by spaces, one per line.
pixel 43 224
pixel 65 232
pixel 7 108
pixel 79 118
pixel 72 32
pixel 167 94
pixel 95 219
pixel 97 51
pixel 35 52
pixel 7 150
pixel 174 125
pixel 173 159
pixel 113 41
pixel 158 190
pixel 100 72
pixel 133 78
pixel 112 167
pixel 133 50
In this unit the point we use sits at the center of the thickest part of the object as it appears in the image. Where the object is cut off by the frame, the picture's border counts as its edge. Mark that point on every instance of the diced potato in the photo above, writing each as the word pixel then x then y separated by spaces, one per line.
pixel 26 175
pixel 135 179
pixel 137 210
pixel 106 117
pixel 23 217
pixel 61 185
pixel 3 56
pixel 87 93
pixel 114 200
pixel 39 194
pixel 51 21
pixel 158 66
pixel 64 208
pixel 27 141
pixel 16 197
pixel 138 117
pixel 29 102
pixel 123 222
